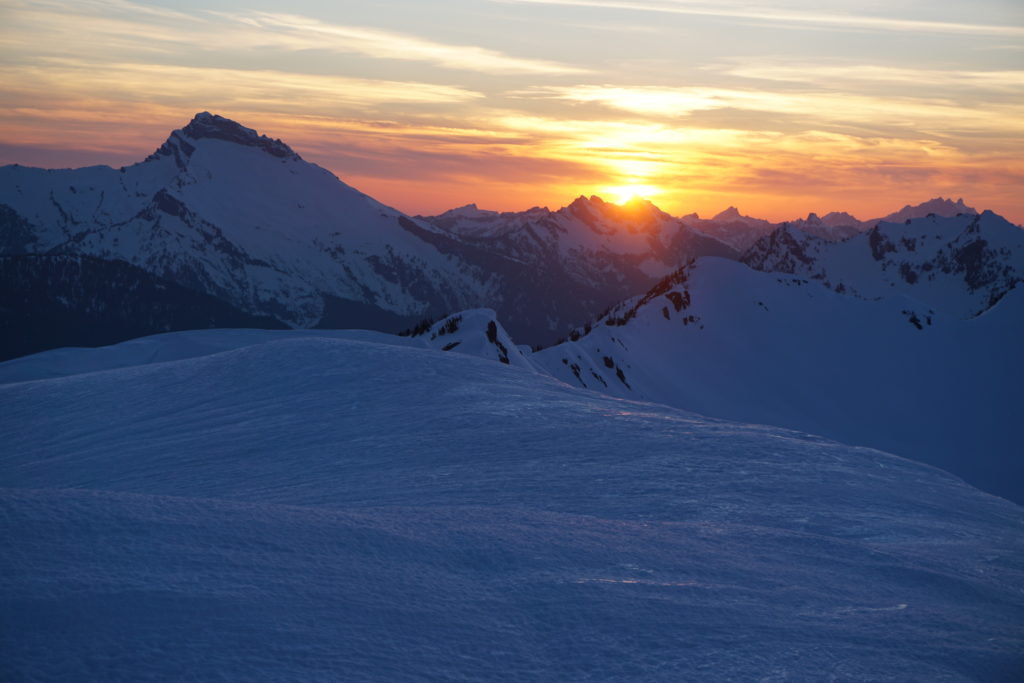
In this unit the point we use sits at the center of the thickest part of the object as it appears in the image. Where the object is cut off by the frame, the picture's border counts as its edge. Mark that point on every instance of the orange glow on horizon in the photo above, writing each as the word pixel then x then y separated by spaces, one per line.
pixel 507 163
pixel 624 194
pixel 448 109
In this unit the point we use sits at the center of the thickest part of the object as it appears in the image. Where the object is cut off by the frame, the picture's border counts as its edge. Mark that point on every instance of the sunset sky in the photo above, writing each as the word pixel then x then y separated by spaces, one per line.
pixel 777 107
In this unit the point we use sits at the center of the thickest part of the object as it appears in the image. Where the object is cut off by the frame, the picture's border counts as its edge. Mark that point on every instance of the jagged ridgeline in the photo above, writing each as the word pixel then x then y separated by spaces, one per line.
pixel 902 338
pixel 226 212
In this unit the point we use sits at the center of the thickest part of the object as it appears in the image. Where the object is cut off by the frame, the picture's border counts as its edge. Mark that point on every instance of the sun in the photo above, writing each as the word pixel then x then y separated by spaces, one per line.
pixel 623 194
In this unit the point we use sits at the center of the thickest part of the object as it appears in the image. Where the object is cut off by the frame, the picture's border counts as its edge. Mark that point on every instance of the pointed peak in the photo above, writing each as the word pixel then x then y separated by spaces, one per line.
pixel 836 218
pixel 582 202
pixel 467 211
pixel 637 200
pixel 731 213
pixel 205 125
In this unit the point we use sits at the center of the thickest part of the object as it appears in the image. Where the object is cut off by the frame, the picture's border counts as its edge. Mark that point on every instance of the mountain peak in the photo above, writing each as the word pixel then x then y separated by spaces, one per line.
pixel 205 125
pixel 940 206
pixel 732 213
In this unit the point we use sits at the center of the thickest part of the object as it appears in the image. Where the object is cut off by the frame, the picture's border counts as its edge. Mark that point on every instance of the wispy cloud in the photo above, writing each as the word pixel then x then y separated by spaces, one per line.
pixel 789 16
pixel 68 79
pixel 306 33
pixel 812 107
pixel 408 113
pixel 122 7
pixel 833 75
pixel 94 27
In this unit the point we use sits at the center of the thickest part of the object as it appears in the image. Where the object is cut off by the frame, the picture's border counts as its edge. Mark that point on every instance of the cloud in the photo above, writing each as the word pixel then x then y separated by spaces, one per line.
pixel 831 76
pixel 300 32
pixel 79 79
pixel 807 108
pixel 98 28
pixel 106 80
pixel 794 17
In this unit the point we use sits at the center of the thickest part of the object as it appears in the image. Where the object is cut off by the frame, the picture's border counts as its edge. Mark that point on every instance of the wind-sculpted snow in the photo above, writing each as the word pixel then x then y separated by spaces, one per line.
pixel 322 508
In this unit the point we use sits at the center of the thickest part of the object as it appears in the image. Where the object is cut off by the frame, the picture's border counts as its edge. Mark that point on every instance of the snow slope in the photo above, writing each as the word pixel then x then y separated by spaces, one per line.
pixel 475 332
pixel 321 508
pixel 960 265
pixel 222 210
pixel 724 340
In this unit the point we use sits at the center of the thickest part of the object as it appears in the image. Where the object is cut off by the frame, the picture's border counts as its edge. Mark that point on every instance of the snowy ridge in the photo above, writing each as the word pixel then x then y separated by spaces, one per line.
pixel 229 213
pixel 741 232
pixel 472 333
pixel 961 265
pixel 731 227
pixel 723 340
pixel 940 206
pixel 561 267
pixel 476 333
pixel 225 211
pixel 637 228
pixel 319 507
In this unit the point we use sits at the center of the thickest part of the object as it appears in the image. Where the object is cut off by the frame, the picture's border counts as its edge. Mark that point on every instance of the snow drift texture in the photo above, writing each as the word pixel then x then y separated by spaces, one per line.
pixel 304 505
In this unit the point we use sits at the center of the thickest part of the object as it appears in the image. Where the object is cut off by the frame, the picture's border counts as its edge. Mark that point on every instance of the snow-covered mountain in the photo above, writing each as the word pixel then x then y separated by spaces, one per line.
pixel 902 374
pixel 229 213
pixel 834 226
pixel 960 265
pixel 839 225
pixel 593 239
pixel 731 227
pixel 329 505
pixel 576 261
pixel 225 211
pixel 940 206
pixel 741 232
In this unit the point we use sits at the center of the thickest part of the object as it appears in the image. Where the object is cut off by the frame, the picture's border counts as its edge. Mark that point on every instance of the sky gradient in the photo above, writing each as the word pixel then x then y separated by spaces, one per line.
pixel 779 108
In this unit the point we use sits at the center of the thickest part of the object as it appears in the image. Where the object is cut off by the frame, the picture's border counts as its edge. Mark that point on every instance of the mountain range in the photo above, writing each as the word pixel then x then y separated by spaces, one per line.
pixel 760 451
pixel 895 333
pixel 223 211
